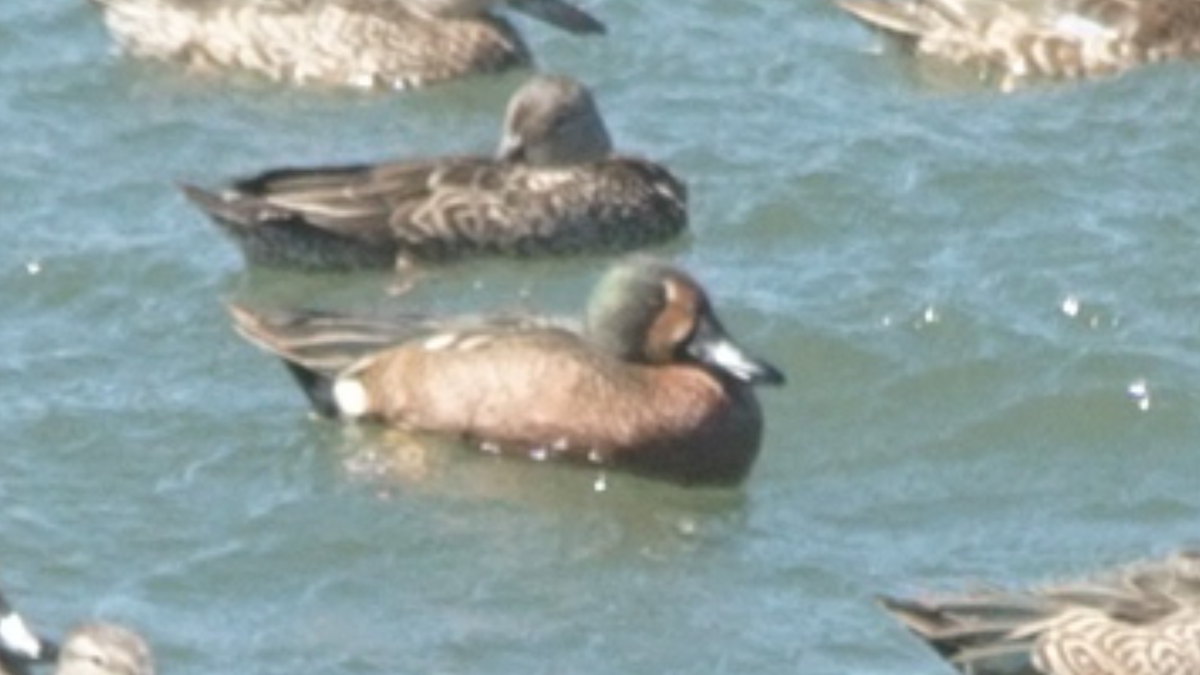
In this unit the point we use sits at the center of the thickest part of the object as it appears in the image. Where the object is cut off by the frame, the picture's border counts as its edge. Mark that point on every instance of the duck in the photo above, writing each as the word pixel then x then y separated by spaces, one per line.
pixel 555 186
pixel 649 383
pixel 1138 619
pixel 90 648
pixel 1013 42
pixel 371 44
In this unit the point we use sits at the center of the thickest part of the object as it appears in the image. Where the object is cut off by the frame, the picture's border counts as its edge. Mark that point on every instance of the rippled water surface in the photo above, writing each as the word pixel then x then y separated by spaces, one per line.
pixel 986 304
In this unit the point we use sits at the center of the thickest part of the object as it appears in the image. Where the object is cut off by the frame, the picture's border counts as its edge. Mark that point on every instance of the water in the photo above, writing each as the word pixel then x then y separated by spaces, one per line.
pixel 986 305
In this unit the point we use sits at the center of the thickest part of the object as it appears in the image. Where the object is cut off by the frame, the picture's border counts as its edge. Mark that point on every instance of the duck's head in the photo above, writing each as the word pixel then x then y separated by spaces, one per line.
pixel 648 311
pixel 104 649
pixel 553 120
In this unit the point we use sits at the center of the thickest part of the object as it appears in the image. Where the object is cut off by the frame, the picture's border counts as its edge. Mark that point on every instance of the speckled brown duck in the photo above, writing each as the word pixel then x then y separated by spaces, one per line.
pixel 554 187
pixel 1143 619
pixel 363 43
pixel 1012 41
pixel 91 648
pixel 652 384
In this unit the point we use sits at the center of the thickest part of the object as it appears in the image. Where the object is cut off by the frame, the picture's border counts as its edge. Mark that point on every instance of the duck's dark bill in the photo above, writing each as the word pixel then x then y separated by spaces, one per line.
pixel 711 345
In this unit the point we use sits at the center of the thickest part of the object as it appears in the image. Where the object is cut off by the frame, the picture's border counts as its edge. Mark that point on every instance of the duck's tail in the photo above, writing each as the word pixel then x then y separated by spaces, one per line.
pixel 275 235
pixel 220 207
pixel 316 346
pixel 971 631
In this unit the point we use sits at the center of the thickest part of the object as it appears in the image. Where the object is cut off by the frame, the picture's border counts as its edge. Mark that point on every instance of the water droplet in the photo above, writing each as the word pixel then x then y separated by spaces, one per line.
pixel 601 483
pixel 33 267
pixel 539 454
pixel 1139 391
pixel 1070 306
pixel 931 315
pixel 687 526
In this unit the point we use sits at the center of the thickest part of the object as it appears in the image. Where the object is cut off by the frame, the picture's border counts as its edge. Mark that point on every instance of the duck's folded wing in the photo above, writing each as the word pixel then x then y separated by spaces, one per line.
pixel 361 202
pixel 453 200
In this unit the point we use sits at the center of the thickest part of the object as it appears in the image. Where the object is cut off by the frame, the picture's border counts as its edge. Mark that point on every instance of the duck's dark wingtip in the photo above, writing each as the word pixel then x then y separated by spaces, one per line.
pixel 206 200
pixel 256 328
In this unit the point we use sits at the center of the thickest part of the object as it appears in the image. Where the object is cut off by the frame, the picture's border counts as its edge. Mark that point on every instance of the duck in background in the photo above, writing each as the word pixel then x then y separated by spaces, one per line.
pixel 1014 41
pixel 397 44
pixel 1143 619
pixel 555 186
pixel 651 384
pixel 93 648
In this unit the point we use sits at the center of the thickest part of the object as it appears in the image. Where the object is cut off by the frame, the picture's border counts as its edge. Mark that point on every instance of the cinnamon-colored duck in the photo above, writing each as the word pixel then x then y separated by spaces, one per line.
pixel 651 384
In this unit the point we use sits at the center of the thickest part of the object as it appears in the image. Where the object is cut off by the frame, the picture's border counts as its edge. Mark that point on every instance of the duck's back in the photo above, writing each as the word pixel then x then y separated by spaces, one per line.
pixel 548 391
pixel 448 208
pixel 366 43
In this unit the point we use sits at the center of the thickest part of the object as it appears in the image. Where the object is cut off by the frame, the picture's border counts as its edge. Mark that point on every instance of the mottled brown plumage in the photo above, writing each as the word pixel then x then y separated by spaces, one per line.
pixel 652 384
pixel 555 187
pixel 364 43
pixel 1012 41
pixel 1139 620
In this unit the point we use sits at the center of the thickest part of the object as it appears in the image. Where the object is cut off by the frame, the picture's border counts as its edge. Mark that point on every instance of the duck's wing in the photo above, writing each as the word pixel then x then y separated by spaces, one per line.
pixel 317 346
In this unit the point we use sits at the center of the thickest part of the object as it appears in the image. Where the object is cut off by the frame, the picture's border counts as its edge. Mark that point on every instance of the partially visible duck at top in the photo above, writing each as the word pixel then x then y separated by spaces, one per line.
pixel 651 383
pixel 397 44
pixel 1013 42
pixel 555 186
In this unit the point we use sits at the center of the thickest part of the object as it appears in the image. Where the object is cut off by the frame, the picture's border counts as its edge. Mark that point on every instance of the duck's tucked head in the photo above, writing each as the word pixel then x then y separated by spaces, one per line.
pixel 104 649
pixel 651 312
pixel 20 646
pixel 554 12
pixel 553 120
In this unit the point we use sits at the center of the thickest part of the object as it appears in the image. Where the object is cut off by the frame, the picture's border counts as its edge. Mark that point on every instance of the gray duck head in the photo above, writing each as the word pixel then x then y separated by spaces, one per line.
pixel 553 120
pixel 104 649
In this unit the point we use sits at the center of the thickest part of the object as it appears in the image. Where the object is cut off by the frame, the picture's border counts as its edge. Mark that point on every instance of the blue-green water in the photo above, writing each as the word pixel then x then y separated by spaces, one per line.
pixel 987 306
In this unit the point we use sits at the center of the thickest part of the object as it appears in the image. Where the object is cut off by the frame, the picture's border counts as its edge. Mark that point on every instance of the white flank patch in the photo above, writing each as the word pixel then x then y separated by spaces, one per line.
pixel 17 637
pixel 351 398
